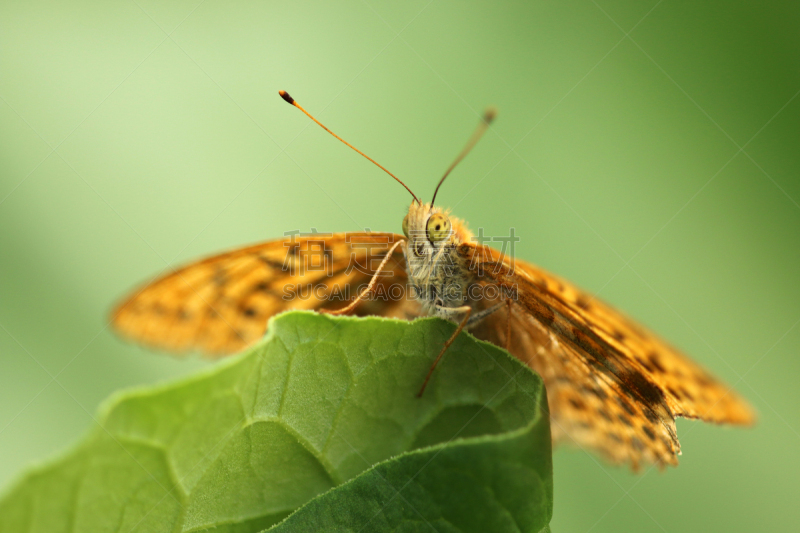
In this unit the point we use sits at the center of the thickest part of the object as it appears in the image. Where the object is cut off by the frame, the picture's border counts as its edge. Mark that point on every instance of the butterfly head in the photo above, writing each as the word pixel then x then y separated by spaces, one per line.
pixel 430 229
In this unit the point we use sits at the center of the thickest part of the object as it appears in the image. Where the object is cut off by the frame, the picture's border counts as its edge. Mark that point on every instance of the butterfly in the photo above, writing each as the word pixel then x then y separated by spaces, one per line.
pixel 612 386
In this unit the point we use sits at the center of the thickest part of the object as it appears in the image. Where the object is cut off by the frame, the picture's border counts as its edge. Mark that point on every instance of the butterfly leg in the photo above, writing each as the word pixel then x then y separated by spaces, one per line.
pixel 478 317
pixel 351 307
pixel 467 310
pixel 468 321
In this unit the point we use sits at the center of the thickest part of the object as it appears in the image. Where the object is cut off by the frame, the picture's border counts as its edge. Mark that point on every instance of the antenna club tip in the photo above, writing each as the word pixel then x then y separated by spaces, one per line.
pixel 286 97
pixel 490 114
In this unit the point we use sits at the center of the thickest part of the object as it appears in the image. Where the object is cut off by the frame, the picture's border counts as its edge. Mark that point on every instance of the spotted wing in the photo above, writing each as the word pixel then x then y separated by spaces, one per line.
pixel 612 386
pixel 221 304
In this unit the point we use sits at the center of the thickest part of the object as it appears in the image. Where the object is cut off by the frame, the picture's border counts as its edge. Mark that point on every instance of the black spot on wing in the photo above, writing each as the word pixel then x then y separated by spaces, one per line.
pixel 650 393
pixel 220 278
pixel 627 407
pixel 577 403
pixel 656 362
pixel 271 263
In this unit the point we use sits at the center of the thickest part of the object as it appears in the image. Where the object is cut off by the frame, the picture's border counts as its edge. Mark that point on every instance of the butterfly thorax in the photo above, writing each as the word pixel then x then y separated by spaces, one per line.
pixel 437 277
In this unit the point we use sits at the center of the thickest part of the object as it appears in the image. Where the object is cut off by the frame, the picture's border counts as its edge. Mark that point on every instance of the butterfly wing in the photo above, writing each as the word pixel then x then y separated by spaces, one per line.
pixel 587 408
pixel 612 385
pixel 221 304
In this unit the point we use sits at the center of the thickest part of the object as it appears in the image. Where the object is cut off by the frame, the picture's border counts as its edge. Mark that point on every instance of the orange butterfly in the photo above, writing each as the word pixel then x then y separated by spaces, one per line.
pixel 612 386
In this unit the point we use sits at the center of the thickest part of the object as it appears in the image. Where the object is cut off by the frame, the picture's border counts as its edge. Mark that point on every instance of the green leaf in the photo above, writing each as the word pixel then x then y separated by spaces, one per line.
pixel 319 418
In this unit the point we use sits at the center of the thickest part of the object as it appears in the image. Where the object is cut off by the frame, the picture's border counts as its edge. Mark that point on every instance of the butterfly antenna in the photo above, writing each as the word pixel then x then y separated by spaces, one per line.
pixel 292 101
pixel 488 117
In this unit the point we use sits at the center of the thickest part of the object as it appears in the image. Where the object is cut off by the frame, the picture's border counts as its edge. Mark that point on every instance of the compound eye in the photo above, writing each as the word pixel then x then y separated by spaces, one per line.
pixel 405 226
pixel 438 227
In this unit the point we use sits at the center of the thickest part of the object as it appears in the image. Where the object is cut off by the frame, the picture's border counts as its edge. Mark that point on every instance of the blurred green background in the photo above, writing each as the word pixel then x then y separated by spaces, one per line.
pixel 648 151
